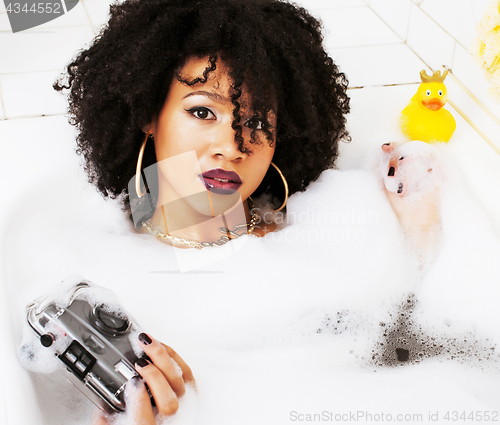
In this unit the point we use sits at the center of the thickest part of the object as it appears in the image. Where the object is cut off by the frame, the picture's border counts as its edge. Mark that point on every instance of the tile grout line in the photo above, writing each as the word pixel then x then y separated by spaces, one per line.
pixel 386 24
pixel 2 103
pixel 318 9
pixel 471 95
pixel 418 56
pixel 22 117
pixel 47 30
pixel 88 18
pixel 408 23
pixel 439 25
pixel 407 31
pixel 365 46
pixel 474 12
pixel 453 55
pixel 382 85
pixel 32 72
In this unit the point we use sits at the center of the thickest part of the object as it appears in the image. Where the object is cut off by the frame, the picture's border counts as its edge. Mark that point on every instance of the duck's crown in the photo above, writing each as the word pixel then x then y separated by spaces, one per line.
pixel 437 77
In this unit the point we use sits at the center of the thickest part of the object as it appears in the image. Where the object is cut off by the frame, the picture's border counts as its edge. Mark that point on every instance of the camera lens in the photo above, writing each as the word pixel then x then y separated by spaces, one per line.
pixel 109 323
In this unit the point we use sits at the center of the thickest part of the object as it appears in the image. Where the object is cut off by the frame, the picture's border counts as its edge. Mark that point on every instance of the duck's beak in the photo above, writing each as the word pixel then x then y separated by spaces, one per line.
pixel 433 104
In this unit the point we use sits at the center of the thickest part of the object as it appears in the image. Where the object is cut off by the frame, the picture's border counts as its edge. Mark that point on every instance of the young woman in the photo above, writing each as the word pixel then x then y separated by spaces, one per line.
pixel 186 109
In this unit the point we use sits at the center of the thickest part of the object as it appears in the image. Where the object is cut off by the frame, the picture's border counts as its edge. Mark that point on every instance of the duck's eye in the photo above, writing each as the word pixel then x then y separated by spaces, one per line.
pixel 440 92
pixel 428 92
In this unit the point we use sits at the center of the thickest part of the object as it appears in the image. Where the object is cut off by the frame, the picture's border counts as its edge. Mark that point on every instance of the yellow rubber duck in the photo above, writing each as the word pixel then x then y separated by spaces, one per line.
pixel 425 118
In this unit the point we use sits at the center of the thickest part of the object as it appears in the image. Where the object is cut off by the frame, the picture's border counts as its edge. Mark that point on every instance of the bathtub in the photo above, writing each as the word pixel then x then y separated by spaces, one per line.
pixel 62 174
pixel 38 160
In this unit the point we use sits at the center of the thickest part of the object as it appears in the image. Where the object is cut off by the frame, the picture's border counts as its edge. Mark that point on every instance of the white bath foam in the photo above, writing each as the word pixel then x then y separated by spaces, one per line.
pixel 463 285
pixel 247 326
pixel 374 120
pixel 186 413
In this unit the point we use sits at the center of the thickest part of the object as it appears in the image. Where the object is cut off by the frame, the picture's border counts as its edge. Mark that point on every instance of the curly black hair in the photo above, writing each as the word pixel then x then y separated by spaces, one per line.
pixel 120 83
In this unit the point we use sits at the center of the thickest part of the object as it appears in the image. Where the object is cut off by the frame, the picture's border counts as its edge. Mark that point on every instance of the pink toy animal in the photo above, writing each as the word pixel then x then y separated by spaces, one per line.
pixel 413 179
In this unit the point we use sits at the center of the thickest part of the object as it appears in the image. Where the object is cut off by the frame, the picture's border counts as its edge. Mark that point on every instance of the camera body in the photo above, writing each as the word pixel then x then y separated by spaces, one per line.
pixel 92 340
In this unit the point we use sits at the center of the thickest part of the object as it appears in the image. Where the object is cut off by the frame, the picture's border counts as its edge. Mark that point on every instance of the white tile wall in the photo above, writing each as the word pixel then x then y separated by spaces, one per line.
pixel 429 41
pixel 365 37
pixel 395 13
pixel 40 50
pixel 328 4
pixel 27 94
pixel 4 22
pixel 75 17
pixel 479 170
pixel 2 115
pixel 375 65
pixel 459 24
pixel 98 12
pixel 38 148
pixel 470 74
pixel 479 6
pixel 366 105
pixel 477 115
pixel 357 26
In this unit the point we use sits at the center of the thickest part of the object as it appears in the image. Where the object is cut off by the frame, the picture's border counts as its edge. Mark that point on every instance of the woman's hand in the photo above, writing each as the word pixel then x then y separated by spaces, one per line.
pixel 166 376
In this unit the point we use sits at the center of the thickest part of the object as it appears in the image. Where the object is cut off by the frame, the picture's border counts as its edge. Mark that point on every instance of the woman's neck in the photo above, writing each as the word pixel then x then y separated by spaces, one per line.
pixel 181 220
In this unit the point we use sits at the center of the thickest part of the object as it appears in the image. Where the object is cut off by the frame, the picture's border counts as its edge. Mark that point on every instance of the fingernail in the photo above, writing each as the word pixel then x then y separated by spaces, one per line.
pixel 146 357
pixel 145 339
pixel 142 362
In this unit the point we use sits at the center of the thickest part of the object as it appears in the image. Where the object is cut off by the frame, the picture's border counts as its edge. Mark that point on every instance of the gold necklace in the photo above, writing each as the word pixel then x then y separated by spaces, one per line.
pixel 228 234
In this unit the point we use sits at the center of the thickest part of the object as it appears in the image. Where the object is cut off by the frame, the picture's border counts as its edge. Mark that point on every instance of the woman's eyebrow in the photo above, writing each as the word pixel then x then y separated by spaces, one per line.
pixel 216 97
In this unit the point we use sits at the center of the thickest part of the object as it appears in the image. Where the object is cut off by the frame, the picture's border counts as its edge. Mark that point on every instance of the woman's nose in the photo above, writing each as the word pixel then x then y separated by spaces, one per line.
pixel 225 145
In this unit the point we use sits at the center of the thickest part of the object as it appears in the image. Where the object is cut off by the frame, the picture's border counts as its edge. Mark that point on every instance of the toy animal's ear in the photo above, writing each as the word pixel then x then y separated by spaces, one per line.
pixel 388 147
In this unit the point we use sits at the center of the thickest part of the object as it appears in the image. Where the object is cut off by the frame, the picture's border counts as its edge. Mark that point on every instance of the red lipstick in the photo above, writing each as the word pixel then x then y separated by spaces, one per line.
pixel 221 181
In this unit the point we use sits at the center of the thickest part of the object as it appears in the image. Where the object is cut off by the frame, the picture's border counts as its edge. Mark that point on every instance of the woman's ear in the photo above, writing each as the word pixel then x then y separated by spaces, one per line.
pixel 151 127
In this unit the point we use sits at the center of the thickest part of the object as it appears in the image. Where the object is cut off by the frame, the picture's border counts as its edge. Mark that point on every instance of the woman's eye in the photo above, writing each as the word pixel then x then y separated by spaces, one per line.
pixel 202 113
pixel 254 123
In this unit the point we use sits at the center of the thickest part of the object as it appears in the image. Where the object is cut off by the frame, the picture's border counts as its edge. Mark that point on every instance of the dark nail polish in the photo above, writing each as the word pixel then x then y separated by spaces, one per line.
pixel 145 339
pixel 391 171
pixel 142 362
pixel 386 144
pixel 400 188
pixel 146 357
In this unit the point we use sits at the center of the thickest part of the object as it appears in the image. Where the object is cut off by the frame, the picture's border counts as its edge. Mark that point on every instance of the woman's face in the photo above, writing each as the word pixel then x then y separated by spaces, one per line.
pixel 195 143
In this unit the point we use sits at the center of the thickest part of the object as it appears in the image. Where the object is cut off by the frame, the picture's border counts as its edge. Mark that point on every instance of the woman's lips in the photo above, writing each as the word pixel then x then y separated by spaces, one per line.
pixel 221 181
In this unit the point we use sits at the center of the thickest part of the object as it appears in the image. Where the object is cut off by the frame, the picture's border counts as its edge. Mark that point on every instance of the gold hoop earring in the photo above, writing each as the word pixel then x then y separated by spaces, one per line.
pixel 139 166
pixel 284 184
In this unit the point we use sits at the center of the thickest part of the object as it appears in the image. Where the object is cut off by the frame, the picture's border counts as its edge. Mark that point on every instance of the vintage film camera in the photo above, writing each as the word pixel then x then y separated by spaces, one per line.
pixel 91 339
